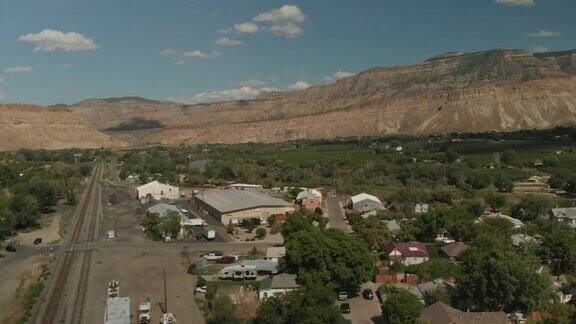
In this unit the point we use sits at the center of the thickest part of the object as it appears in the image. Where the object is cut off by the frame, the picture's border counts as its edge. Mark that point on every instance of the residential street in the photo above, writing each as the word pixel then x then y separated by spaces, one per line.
pixel 365 311
pixel 335 214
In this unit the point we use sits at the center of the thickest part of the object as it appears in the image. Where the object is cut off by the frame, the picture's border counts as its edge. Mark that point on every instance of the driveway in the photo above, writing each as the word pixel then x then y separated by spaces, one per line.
pixel 336 215
pixel 365 311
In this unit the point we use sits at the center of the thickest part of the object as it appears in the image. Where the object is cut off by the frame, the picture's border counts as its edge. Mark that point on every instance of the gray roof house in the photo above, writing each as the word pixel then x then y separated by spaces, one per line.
pixel 567 215
pixel 277 285
pixel 364 203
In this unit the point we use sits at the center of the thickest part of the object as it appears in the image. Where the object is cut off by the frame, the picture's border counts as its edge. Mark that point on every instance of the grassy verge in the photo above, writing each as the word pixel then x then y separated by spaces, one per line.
pixel 32 295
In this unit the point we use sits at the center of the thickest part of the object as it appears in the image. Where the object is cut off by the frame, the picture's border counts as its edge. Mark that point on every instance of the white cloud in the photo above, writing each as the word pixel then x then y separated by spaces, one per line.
pixel 514 3
pixel 337 75
pixel 545 33
pixel 19 69
pixel 51 40
pixel 179 62
pixel 252 83
pixel 286 13
pixel 243 93
pixel 299 85
pixel 285 20
pixel 169 52
pixel 196 55
pixel 540 49
pixel 246 28
pixel 289 30
pixel 227 41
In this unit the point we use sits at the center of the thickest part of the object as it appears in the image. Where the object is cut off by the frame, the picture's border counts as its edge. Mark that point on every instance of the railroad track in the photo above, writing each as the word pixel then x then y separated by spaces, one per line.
pixel 56 299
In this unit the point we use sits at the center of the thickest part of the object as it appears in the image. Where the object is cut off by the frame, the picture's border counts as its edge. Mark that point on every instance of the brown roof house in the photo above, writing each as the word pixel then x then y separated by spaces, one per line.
pixel 454 250
pixel 407 253
pixel 440 313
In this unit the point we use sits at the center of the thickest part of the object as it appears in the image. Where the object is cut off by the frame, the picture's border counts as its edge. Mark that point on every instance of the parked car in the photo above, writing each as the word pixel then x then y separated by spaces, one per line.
pixel 342 295
pixel 37 241
pixel 345 308
pixel 226 259
pixel 10 248
pixel 368 294
pixel 213 256
pixel 201 289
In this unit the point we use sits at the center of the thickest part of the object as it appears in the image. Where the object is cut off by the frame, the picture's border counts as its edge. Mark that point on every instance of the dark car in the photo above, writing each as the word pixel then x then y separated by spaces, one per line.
pixel 345 308
pixel 342 295
pixel 37 241
pixel 10 248
pixel 227 259
pixel 368 294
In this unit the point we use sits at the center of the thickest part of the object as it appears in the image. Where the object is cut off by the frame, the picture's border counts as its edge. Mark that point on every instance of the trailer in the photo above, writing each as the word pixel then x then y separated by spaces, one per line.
pixel 144 311
pixel 117 311
pixel 209 233
pixel 238 271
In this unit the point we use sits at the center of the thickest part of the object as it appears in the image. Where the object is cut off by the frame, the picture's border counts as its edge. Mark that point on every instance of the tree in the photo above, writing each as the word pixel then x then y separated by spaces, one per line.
pixel 151 224
pixel 495 277
pixel 399 306
pixel 314 303
pixel 558 247
pixel 329 256
pixel 170 224
pixel 25 209
pixel 222 311
pixel 504 184
pixel 300 220
pixel 433 269
pixel 6 219
pixel 260 232
pixel 85 170
pixel 374 232
pixel 531 207
pixel 438 294
pixel 495 201
pixel 508 157
pixel 44 191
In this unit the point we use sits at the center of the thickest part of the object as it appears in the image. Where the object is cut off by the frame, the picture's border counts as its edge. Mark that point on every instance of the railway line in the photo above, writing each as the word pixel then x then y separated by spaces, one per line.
pixel 63 288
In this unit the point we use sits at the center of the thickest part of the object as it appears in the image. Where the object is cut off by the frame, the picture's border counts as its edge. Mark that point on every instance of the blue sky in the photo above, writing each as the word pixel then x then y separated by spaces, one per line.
pixel 63 51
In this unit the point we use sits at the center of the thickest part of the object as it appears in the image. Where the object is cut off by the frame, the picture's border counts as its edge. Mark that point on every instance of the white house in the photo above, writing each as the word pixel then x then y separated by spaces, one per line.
pixel 515 222
pixel 277 285
pixel 421 208
pixel 364 203
pixel 566 215
pixel 155 191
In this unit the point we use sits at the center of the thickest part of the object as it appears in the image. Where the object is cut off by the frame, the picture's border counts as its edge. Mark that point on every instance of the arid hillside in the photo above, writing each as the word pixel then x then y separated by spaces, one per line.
pixel 498 90
pixel 26 126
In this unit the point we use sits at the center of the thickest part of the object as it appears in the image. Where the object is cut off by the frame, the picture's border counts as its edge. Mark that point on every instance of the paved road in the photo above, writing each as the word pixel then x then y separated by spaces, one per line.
pixel 336 216
pixel 365 311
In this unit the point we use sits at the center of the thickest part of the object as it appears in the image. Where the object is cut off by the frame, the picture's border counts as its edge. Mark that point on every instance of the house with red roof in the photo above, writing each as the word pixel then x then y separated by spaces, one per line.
pixel 407 253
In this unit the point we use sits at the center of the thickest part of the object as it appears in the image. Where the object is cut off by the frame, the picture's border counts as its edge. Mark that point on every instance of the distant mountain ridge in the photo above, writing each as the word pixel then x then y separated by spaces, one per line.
pixel 496 90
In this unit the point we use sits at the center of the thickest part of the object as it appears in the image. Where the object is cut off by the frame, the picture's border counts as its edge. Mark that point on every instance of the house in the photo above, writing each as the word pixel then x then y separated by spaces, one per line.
pixel 515 222
pixel 156 191
pixel 233 206
pixel 393 225
pixel 440 313
pixel 566 215
pixel 163 210
pixel 454 250
pixel 521 239
pixel 309 199
pixel 364 203
pixel 277 285
pixel 248 269
pixel 407 253
pixel 274 253
pixel 246 186
pixel 421 289
pixel 421 208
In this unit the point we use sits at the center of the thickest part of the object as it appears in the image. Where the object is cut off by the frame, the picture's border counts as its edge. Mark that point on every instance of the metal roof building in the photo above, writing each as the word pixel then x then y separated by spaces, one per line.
pixel 229 205
pixel 117 311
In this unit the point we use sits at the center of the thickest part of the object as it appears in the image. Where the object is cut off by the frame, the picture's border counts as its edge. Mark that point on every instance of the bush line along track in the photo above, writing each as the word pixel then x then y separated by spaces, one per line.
pixel 56 302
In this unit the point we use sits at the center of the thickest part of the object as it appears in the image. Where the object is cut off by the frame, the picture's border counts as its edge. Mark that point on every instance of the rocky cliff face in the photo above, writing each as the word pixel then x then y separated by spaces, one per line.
pixel 498 90
pixel 25 126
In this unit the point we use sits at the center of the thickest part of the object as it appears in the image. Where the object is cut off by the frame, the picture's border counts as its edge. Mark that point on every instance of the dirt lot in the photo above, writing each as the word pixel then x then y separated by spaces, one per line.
pixel 139 270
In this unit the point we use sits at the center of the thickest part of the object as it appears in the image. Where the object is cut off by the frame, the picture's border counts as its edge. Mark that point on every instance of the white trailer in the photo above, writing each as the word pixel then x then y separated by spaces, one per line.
pixel 209 233
pixel 239 272
pixel 117 311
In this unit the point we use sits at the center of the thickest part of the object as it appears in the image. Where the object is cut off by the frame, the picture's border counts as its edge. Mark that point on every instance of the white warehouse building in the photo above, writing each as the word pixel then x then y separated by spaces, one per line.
pixel 156 191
